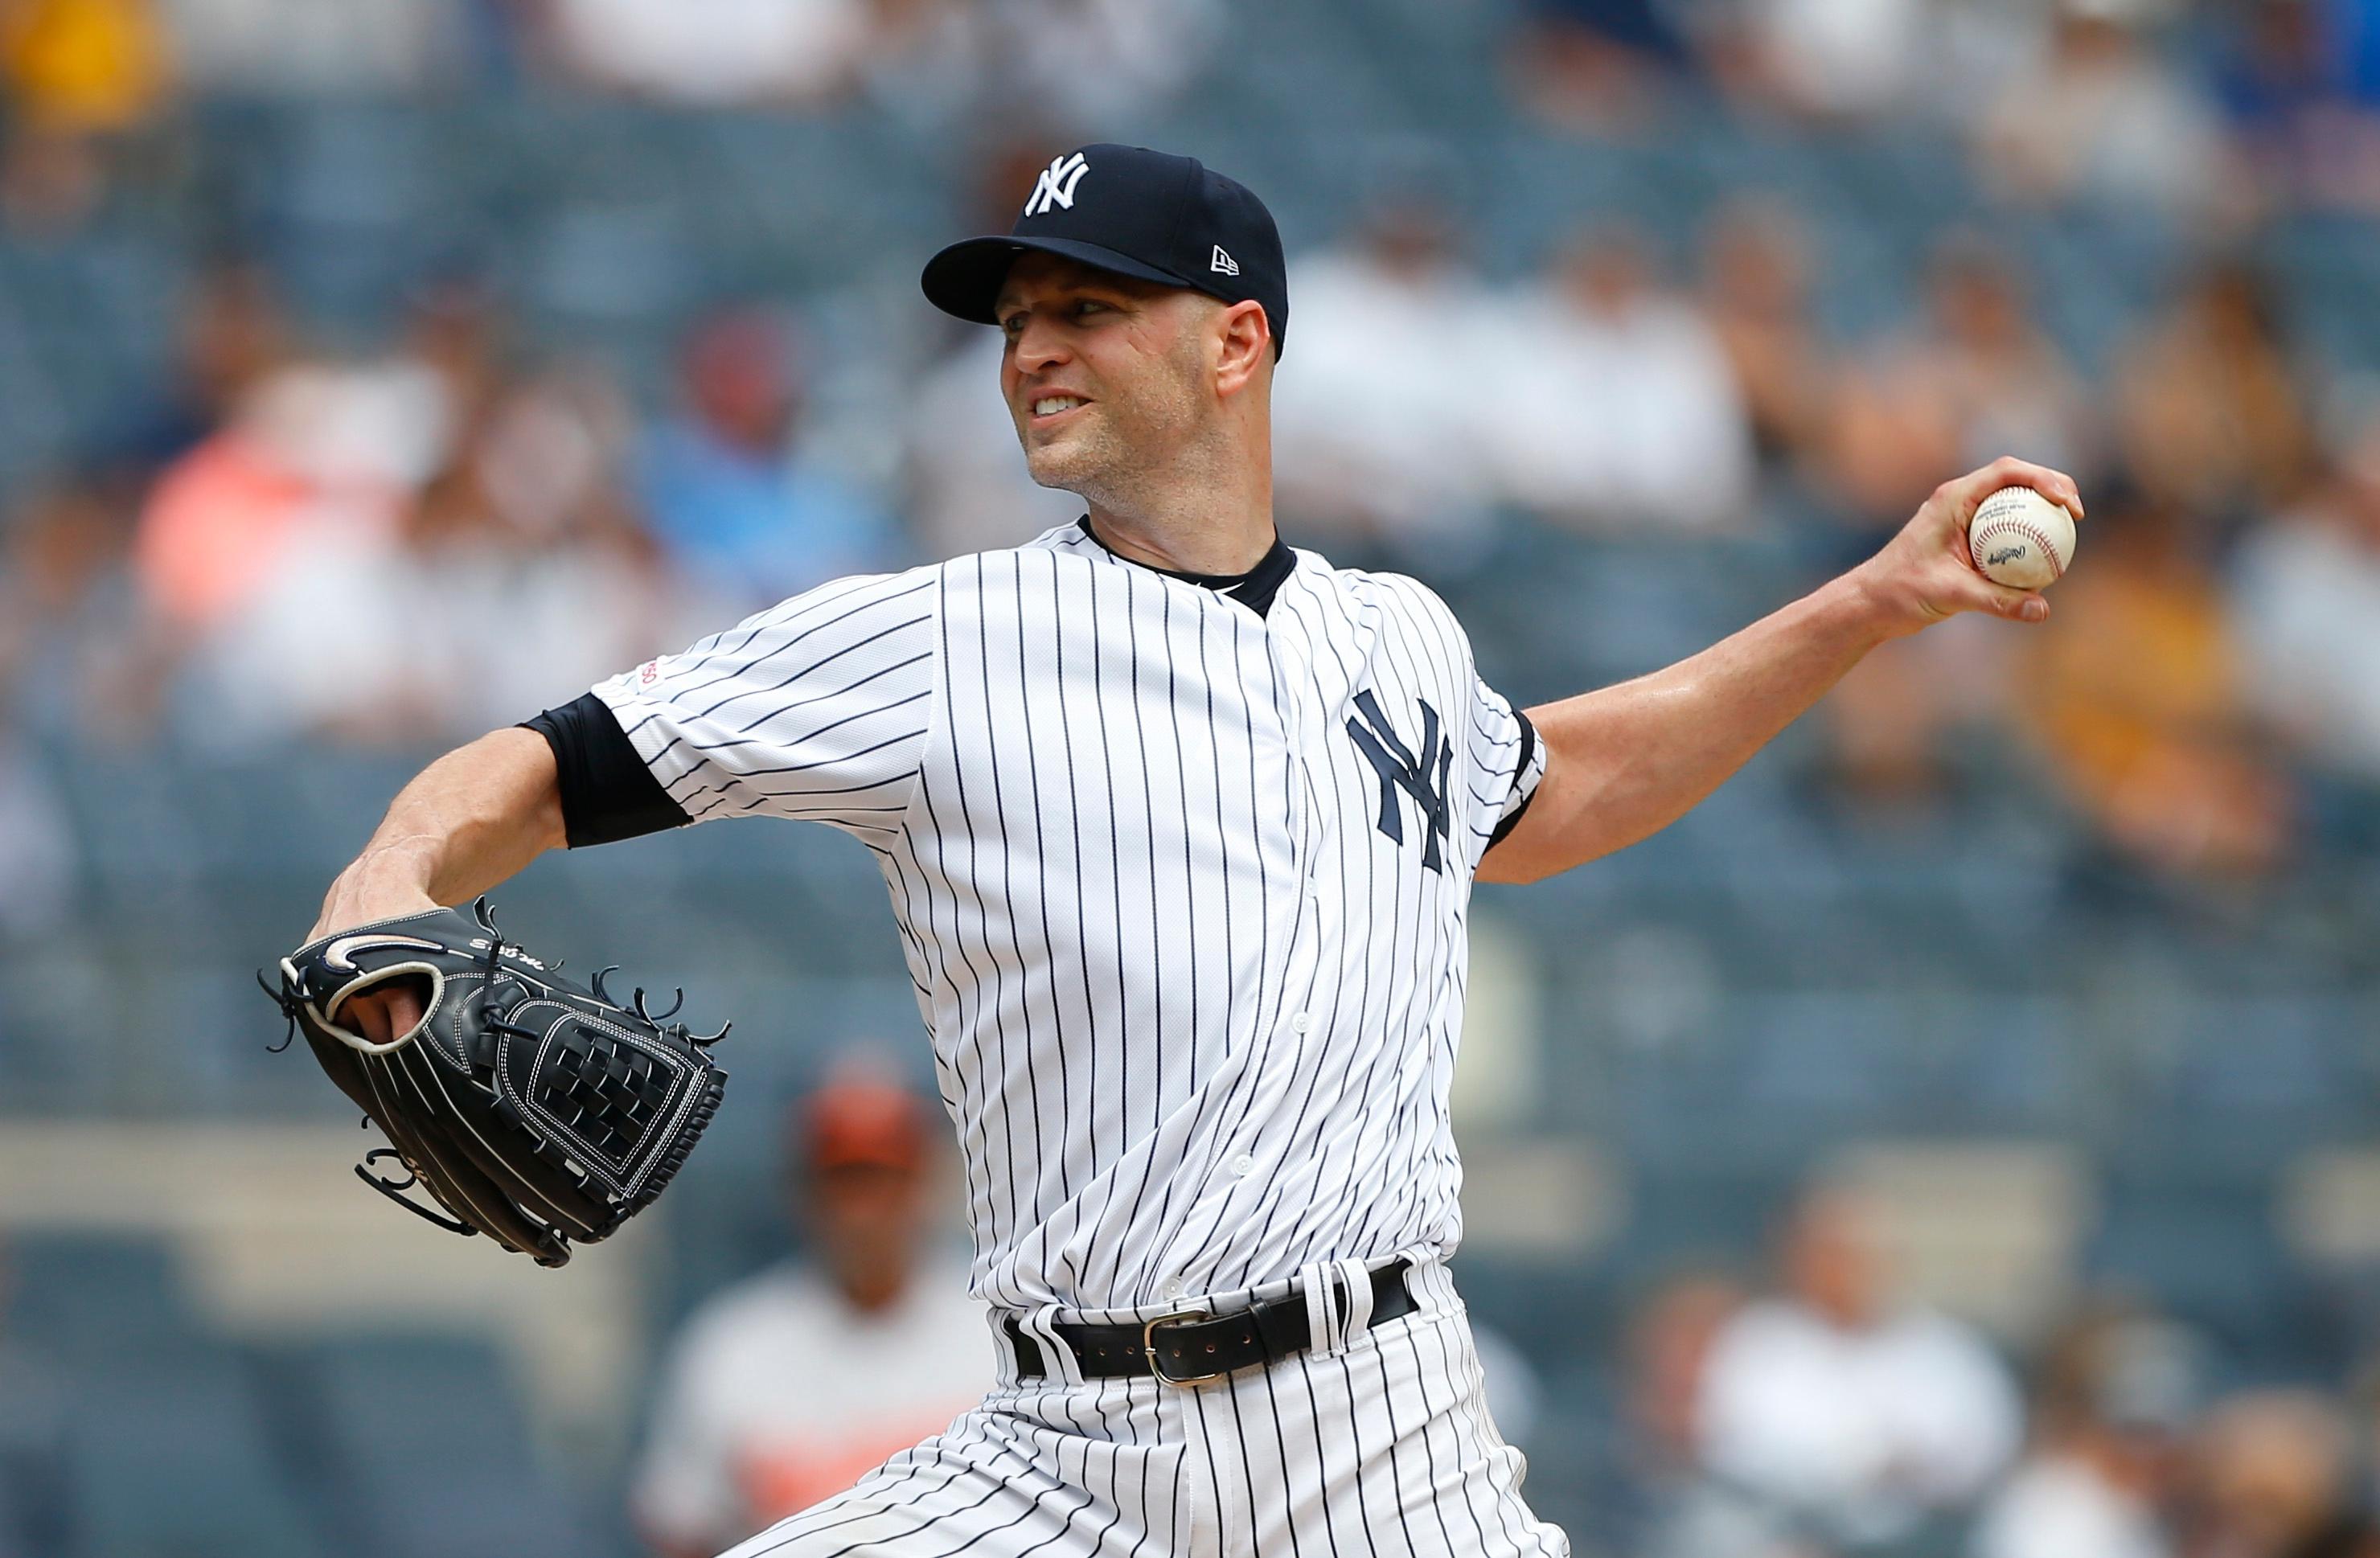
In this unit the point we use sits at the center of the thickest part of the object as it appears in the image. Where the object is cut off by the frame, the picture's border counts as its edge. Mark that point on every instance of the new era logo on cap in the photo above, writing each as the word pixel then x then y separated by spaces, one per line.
pixel 1134 212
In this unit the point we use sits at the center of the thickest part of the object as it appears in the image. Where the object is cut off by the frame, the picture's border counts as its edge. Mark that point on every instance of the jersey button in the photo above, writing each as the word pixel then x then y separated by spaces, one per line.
pixel 1244 1164
pixel 1170 1289
pixel 1301 1023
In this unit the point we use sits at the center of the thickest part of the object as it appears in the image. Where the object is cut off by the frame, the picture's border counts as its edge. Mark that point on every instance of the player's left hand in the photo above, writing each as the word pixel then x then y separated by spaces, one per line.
pixel 1925 573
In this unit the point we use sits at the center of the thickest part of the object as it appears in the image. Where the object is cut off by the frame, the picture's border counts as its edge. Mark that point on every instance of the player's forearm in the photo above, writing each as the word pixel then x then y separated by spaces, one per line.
pixel 468 821
pixel 1624 762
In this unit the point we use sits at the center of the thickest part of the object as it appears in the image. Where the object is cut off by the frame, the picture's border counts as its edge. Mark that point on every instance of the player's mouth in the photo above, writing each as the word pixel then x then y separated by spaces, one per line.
pixel 1047 409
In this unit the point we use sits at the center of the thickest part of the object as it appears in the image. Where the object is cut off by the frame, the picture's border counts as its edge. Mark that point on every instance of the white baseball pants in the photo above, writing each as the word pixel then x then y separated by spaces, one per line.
pixel 1378 1444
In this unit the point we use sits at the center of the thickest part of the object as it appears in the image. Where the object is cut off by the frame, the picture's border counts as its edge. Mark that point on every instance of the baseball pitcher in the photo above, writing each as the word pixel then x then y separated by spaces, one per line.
pixel 1179 826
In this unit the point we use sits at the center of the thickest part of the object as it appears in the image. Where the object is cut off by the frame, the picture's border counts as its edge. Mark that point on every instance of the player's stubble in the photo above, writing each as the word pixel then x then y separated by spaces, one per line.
pixel 1146 422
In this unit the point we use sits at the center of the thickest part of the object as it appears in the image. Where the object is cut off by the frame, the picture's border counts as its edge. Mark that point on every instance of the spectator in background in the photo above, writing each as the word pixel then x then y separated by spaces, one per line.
pixel 1596 66
pixel 1381 411
pixel 316 457
pixel 377 634
pixel 784 1388
pixel 1679 1513
pixel 2269 1480
pixel 2137 701
pixel 787 53
pixel 516 576
pixel 1977 374
pixel 1857 1417
pixel 2208 410
pixel 229 334
pixel 2306 591
pixel 75 75
pixel 1755 293
pixel 82 66
pixel 734 500
pixel 2298 81
pixel 929 62
pixel 311 445
pixel 1827 59
pixel 1089 62
pixel 2117 1396
pixel 1614 406
pixel 2105 121
pixel 356 48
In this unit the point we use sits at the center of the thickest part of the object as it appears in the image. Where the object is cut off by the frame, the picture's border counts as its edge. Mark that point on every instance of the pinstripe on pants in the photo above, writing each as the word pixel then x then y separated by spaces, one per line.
pixel 1384 1448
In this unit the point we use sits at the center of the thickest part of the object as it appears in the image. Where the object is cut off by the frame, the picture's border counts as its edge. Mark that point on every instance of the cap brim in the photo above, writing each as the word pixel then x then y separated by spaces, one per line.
pixel 965 278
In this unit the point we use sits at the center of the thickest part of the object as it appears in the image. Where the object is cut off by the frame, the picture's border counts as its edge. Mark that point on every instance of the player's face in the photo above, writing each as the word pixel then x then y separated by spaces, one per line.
pixel 1102 373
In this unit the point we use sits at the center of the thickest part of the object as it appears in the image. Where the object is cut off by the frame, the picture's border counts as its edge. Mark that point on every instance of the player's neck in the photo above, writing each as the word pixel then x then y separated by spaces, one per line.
pixel 1203 508
pixel 1205 532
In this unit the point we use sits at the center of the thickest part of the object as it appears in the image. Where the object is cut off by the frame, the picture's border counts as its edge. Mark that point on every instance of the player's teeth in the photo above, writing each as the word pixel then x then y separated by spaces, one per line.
pixel 1054 403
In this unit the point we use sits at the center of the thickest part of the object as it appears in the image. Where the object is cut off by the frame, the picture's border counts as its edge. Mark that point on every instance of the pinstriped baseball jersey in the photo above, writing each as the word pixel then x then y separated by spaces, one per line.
pixel 1182 885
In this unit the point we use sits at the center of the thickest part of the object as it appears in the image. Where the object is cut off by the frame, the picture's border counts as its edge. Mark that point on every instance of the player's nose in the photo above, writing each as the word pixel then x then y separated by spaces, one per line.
pixel 1041 342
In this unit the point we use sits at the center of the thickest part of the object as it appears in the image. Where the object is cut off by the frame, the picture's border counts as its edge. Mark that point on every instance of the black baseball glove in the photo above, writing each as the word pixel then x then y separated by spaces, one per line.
pixel 532 1110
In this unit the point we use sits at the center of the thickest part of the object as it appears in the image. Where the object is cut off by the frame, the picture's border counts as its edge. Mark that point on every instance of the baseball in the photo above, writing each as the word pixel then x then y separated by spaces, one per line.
pixel 2019 537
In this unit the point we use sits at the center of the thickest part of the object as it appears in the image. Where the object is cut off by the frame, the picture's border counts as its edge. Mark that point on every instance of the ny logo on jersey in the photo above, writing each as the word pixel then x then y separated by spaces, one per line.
pixel 1399 769
pixel 1056 185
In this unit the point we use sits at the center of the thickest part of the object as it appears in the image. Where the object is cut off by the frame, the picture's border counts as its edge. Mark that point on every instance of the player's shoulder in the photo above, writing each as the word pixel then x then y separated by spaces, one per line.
pixel 1396 598
pixel 1063 544
pixel 992 578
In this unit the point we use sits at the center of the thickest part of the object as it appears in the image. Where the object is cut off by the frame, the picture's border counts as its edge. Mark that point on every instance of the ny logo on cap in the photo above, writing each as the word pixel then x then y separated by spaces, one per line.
pixel 1056 185
pixel 1224 264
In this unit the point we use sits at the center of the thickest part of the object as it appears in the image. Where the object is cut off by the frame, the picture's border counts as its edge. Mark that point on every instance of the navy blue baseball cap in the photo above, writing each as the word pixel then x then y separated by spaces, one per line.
pixel 1137 213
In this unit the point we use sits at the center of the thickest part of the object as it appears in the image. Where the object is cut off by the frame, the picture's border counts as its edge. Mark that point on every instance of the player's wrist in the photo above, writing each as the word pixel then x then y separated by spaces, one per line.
pixel 391 878
pixel 1870 604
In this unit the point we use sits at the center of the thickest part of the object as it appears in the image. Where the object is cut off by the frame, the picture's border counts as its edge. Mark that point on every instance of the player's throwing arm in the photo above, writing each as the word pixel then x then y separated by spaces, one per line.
pixel 1624 762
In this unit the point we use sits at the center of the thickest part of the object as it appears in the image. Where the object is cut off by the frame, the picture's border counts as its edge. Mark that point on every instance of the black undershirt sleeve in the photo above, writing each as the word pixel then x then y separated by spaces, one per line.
pixel 1528 752
pixel 608 794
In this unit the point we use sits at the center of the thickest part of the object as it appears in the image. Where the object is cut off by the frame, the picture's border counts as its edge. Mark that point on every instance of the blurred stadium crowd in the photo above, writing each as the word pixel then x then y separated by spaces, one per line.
pixel 374 372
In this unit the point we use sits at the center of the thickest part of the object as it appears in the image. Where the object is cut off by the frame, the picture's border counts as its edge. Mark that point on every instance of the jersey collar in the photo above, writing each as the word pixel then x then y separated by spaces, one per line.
pixel 1254 589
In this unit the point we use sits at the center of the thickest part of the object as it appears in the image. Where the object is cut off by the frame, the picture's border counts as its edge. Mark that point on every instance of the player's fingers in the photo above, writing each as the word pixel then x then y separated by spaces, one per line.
pixel 1964 494
pixel 405 1008
pixel 381 1015
pixel 1975 593
pixel 367 1014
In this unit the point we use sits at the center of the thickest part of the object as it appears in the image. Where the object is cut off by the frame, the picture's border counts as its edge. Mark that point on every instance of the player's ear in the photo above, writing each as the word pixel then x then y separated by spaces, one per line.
pixel 1244 347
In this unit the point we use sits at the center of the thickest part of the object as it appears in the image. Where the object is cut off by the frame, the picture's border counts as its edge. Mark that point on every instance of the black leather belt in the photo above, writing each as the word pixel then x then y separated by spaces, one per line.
pixel 1192 1346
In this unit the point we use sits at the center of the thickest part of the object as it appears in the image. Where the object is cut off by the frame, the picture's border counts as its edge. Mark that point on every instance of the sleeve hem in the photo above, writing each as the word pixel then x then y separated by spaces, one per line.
pixel 608 792
pixel 1512 819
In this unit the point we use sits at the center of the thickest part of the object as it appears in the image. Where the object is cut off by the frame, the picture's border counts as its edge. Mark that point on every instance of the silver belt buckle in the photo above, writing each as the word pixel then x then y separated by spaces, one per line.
pixel 1148 1347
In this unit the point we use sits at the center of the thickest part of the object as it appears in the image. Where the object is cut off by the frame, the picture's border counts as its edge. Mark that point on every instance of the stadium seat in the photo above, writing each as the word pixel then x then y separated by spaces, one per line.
pixel 168 1458
pixel 81 1294
pixel 427 1452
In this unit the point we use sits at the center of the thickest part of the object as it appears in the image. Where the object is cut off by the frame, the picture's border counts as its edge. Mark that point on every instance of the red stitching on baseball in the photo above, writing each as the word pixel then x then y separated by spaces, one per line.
pixel 2031 532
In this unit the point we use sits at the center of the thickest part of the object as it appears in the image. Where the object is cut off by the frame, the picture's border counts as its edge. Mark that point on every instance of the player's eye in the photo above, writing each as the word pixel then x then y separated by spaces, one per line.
pixel 1012 324
pixel 1088 305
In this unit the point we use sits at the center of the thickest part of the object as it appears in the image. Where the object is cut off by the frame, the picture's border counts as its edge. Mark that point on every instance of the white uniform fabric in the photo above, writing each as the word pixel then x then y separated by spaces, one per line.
pixel 779 1392
pixel 1183 889
pixel 1193 967
pixel 1865 1431
pixel 1383 1446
